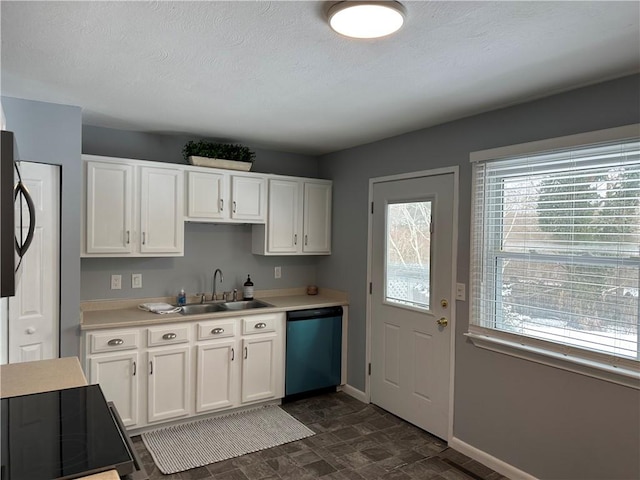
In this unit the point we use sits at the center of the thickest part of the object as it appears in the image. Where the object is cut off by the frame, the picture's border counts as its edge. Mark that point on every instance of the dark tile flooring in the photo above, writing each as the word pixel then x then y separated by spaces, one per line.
pixel 353 441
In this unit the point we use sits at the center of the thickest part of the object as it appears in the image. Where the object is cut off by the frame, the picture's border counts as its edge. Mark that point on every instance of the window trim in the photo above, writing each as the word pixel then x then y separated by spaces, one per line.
pixel 566 357
pixel 541 353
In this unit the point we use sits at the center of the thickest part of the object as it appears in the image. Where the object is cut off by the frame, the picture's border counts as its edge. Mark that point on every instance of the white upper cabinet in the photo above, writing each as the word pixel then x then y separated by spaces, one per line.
pixel 161 211
pixel 132 209
pixel 109 190
pixel 317 218
pixel 248 196
pixel 298 220
pixel 284 216
pixel 221 197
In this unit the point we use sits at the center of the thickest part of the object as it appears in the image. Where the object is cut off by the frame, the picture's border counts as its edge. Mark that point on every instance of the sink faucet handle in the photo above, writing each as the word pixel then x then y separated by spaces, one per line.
pixel 235 294
pixel 202 296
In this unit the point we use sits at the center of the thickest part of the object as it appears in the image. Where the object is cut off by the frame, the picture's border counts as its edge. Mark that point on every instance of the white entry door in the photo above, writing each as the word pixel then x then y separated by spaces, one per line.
pixel 411 274
pixel 34 311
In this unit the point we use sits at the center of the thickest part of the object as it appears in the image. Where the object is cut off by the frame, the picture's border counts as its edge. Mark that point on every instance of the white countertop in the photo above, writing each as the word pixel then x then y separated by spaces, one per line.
pixel 125 313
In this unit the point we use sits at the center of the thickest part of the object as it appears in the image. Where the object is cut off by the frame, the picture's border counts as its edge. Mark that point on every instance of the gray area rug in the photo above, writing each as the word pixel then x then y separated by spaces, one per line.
pixel 190 445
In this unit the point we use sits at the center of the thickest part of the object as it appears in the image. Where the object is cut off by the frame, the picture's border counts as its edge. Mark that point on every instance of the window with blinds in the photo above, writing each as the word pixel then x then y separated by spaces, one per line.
pixel 556 251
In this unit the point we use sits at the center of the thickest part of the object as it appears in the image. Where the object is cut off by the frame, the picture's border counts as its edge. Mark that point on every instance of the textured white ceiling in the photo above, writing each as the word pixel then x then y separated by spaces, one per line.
pixel 274 75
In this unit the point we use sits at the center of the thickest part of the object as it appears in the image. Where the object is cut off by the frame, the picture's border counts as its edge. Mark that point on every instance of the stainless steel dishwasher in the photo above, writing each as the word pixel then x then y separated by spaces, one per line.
pixel 314 350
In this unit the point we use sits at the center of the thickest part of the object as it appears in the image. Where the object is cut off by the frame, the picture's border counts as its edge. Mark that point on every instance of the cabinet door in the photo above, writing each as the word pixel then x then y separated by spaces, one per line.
pixel 109 203
pixel 317 218
pixel 259 368
pixel 161 211
pixel 168 385
pixel 248 198
pixel 215 376
pixel 283 235
pixel 118 378
pixel 206 196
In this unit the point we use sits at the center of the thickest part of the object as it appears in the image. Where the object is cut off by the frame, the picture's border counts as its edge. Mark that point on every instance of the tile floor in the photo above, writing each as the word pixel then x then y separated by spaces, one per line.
pixel 353 441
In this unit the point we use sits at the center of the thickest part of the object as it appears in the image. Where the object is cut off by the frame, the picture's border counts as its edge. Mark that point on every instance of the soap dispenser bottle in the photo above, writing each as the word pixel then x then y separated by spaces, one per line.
pixel 182 298
pixel 248 289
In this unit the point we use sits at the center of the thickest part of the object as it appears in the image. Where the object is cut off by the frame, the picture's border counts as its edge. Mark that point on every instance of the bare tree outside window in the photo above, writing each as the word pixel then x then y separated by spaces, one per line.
pixel 564 240
pixel 408 253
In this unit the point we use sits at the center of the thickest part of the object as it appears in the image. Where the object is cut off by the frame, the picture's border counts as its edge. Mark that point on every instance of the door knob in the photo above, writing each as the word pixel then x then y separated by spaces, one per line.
pixel 443 322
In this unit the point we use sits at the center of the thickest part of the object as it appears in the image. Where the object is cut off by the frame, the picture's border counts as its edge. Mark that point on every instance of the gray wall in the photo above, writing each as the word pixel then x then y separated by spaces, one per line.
pixel 168 148
pixel 548 422
pixel 207 246
pixel 49 133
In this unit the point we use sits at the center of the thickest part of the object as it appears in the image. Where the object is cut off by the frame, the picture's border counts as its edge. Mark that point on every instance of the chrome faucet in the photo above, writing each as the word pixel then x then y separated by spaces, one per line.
pixel 215 274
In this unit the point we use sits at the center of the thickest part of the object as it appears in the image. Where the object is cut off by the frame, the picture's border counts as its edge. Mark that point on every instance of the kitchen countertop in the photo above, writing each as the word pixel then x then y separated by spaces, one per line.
pixel 125 313
pixel 40 376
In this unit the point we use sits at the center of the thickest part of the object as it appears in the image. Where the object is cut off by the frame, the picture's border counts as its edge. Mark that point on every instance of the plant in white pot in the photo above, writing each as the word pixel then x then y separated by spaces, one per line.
pixel 218 155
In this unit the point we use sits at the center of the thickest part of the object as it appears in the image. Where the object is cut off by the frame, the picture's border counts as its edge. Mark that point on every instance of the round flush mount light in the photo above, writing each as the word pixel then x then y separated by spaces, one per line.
pixel 366 19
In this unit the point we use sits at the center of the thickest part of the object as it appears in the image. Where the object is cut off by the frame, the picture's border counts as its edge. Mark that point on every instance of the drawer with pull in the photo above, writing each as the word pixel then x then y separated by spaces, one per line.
pixel 113 341
pixel 167 335
pixel 216 329
pixel 259 324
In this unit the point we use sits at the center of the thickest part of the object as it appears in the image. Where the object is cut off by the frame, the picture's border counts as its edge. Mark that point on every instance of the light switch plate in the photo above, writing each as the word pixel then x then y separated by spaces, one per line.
pixel 136 280
pixel 116 282
pixel 461 291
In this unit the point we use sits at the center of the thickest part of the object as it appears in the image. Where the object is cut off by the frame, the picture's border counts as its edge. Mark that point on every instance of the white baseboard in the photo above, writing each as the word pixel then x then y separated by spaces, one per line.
pixel 355 393
pixel 490 461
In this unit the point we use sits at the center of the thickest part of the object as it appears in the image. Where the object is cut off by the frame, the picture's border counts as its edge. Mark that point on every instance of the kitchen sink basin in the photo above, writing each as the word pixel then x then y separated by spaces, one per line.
pixel 196 308
pixel 245 305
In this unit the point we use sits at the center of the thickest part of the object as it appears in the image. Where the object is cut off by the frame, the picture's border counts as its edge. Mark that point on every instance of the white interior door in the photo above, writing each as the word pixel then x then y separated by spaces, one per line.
pixel 411 274
pixel 34 311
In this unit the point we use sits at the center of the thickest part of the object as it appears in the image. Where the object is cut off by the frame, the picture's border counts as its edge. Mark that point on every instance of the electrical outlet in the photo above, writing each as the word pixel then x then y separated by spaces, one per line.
pixel 277 272
pixel 461 293
pixel 136 280
pixel 116 282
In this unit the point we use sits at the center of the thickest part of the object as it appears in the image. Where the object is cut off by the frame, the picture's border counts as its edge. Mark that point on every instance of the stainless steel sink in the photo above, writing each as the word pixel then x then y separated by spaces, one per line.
pixel 196 308
pixel 245 305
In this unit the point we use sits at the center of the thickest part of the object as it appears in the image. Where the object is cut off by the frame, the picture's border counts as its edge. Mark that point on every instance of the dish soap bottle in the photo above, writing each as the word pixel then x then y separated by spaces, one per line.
pixel 182 298
pixel 248 289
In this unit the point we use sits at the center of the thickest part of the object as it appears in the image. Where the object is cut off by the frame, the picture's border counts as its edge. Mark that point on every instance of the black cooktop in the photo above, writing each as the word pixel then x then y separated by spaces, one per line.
pixel 63 434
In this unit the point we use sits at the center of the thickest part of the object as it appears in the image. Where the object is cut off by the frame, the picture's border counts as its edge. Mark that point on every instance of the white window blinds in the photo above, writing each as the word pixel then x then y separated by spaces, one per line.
pixel 556 251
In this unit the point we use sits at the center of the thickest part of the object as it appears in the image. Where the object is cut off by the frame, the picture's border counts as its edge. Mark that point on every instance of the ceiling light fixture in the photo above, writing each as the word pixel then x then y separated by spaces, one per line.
pixel 366 19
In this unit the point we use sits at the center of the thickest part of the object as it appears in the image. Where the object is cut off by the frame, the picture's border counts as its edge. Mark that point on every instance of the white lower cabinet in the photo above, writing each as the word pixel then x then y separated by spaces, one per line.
pixel 117 375
pixel 215 377
pixel 259 368
pixel 168 392
pixel 188 368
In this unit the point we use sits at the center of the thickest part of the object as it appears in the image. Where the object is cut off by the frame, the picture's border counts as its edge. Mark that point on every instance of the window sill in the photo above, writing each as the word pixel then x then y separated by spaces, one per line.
pixel 615 374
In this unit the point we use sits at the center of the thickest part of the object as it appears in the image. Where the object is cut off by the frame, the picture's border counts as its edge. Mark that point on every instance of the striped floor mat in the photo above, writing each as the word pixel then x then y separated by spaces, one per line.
pixel 190 445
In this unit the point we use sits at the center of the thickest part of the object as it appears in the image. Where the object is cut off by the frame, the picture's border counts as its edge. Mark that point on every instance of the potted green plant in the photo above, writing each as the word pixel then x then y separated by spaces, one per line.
pixel 218 155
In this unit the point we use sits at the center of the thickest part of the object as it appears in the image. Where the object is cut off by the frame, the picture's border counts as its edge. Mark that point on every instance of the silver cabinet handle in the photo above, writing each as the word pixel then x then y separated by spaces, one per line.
pixel 115 342
pixel 261 325
pixel 144 238
pixel 169 336
pixel 128 237
pixel 221 204
pixel 234 206
pixel 306 240
pixel 233 354
pixel 295 239
pixel 217 331
pixel 134 369
pixel 150 368
pixel 245 353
